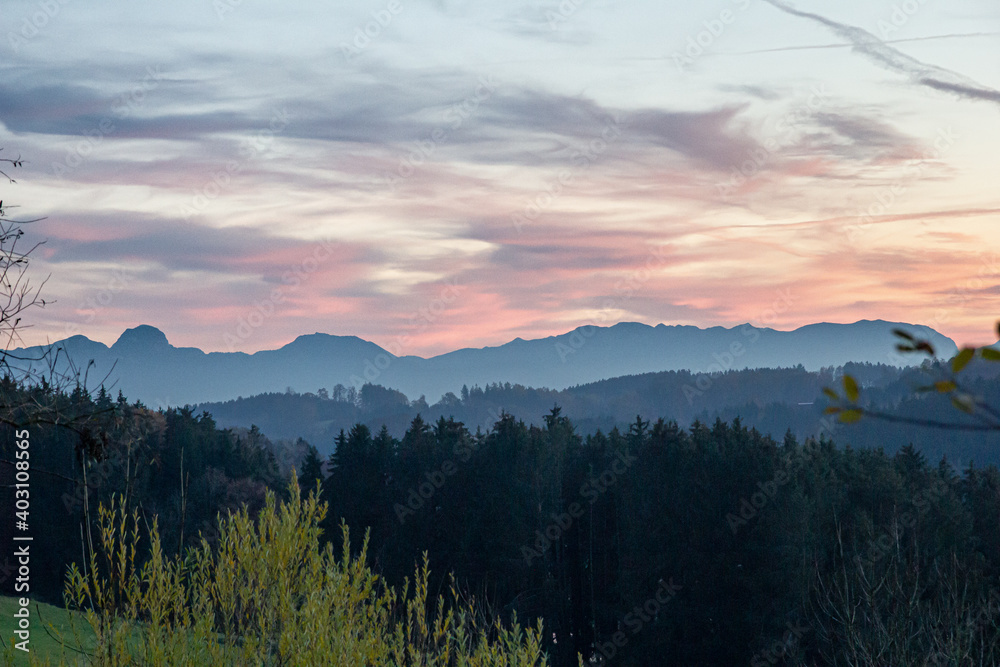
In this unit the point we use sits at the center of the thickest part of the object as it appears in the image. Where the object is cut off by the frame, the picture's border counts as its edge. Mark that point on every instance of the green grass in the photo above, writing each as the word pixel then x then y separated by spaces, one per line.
pixel 44 647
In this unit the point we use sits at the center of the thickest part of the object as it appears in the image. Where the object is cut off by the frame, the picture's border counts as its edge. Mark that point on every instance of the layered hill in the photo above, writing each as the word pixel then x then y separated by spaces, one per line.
pixel 145 366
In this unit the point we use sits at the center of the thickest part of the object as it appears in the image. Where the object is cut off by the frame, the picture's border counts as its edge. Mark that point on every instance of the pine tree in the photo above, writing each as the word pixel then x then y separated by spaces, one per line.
pixel 312 469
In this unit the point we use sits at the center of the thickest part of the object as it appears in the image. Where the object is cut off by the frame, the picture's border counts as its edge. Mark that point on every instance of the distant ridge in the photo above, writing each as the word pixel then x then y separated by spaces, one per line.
pixel 146 367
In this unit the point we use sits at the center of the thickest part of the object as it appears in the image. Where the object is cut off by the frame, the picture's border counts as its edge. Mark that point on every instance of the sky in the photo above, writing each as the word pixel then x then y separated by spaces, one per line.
pixel 438 174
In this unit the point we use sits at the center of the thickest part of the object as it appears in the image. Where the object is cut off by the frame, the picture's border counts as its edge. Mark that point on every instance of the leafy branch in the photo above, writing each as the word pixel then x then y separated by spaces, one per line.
pixel 16 162
pixel 947 381
pixel 50 369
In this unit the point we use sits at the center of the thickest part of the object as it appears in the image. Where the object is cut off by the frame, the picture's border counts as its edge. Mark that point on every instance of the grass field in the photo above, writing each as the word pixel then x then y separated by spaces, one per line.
pixel 43 646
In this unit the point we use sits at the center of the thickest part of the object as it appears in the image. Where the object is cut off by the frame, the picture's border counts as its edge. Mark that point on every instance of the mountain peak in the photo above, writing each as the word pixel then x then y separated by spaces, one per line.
pixel 142 336
pixel 325 341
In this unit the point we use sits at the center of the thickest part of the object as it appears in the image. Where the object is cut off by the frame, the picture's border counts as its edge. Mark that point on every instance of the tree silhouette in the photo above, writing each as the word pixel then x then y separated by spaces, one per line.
pixel 47 387
pixel 17 294
pixel 312 469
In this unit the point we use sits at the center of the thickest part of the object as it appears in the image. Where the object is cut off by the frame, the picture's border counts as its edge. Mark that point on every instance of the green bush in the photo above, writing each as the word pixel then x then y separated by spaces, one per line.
pixel 270 595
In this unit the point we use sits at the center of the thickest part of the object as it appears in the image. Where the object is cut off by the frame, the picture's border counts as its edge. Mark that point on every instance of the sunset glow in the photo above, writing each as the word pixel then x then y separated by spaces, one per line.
pixel 462 174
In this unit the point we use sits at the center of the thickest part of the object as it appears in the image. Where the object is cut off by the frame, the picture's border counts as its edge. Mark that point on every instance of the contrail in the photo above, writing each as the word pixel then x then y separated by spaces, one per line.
pixel 923 74
pixel 842 45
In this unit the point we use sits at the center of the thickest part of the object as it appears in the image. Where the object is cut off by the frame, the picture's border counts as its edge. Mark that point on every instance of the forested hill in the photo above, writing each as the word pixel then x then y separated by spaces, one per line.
pixel 648 545
pixel 771 400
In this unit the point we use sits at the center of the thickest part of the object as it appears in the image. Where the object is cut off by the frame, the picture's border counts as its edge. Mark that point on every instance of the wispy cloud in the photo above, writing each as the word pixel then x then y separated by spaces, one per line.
pixel 893 59
pixel 414 102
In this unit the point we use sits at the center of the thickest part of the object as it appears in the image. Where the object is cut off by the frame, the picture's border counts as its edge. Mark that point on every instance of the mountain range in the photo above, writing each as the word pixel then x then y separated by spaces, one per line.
pixel 145 366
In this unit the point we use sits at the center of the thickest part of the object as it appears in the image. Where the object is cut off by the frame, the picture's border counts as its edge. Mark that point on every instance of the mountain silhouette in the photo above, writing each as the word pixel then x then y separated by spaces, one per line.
pixel 145 366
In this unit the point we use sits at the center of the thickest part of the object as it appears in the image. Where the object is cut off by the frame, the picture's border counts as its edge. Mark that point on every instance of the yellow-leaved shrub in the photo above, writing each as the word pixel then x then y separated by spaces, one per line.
pixel 269 594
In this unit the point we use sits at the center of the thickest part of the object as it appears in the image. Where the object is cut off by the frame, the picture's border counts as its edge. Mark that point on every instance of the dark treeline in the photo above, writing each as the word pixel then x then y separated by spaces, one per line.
pixel 171 465
pixel 647 545
pixel 770 400
pixel 656 545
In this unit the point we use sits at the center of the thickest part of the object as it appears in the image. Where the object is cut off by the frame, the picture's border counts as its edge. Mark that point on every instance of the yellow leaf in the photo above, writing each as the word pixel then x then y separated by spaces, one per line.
pixel 989 354
pixel 945 386
pixel 831 393
pixel 850 416
pixel 962 359
pixel 851 389
pixel 963 403
pixel 832 410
